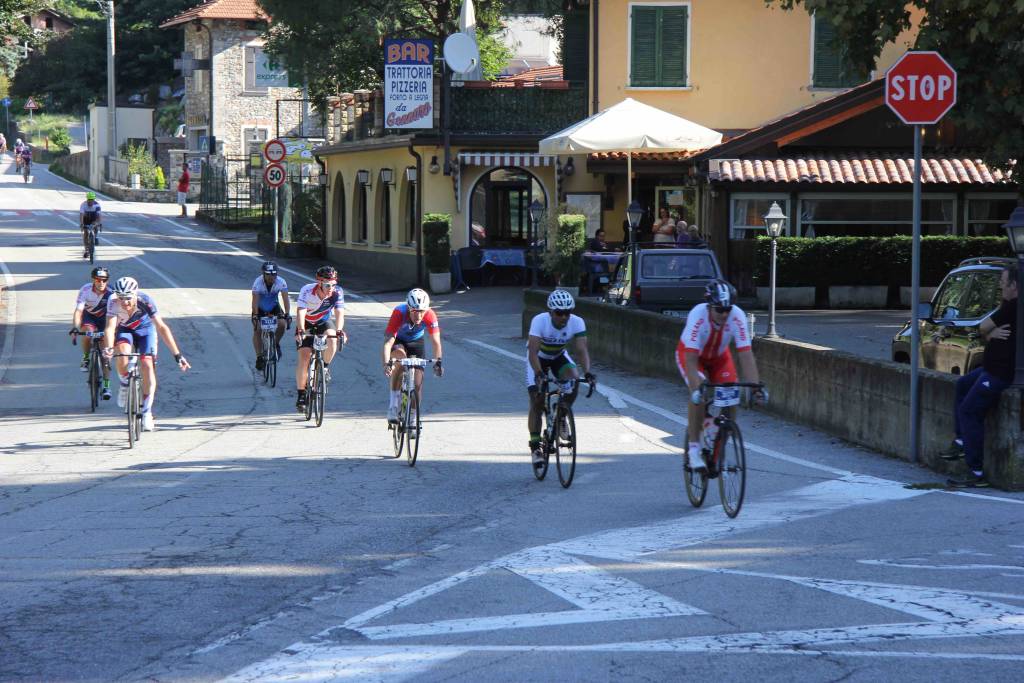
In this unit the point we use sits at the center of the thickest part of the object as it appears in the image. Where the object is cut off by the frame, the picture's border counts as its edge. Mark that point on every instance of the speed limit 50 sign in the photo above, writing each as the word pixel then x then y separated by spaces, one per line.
pixel 274 175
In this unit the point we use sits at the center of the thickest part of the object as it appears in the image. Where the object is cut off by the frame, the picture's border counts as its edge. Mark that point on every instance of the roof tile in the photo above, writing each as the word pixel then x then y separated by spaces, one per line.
pixel 248 10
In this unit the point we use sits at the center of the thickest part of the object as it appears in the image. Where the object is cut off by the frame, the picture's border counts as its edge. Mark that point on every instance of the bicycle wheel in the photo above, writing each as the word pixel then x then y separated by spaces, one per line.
pixel 133 409
pixel 272 367
pixel 95 375
pixel 732 467
pixel 412 426
pixel 321 392
pixel 545 446
pixel 90 245
pixel 696 481
pixel 310 379
pixel 398 430
pixel 565 446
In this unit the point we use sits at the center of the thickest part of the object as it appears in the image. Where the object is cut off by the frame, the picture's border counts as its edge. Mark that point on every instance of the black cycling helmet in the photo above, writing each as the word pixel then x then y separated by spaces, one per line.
pixel 326 273
pixel 719 293
pixel 269 268
pixel 100 271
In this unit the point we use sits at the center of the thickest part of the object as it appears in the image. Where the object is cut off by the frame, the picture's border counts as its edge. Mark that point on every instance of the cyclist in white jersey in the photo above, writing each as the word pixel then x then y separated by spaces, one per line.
pixel 550 334
pixel 320 309
pixel 89 212
pixel 702 354
pixel 91 316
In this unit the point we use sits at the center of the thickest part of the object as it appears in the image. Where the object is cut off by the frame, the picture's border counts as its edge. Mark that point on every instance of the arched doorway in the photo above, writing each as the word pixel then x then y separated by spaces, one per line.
pixel 499 204
pixel 338 207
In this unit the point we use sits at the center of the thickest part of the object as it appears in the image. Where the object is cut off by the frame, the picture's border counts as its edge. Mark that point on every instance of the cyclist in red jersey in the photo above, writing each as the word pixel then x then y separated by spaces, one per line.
pixel 702 354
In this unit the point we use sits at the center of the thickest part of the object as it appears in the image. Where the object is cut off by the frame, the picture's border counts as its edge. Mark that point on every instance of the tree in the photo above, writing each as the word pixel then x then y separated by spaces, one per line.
pixel 981 39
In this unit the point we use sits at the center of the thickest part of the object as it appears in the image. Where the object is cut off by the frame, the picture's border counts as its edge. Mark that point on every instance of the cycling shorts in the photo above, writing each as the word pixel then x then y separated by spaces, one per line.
pixel 557 366
pixel 316 328
pixel 144 341
pixel 275 310
pixel 412 348
pixel 95 322
pixel 718 370
pixel 90 217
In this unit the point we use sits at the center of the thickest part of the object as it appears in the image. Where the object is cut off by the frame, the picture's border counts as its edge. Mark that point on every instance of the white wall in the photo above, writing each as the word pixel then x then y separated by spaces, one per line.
pixel 132 122
pixel 531 47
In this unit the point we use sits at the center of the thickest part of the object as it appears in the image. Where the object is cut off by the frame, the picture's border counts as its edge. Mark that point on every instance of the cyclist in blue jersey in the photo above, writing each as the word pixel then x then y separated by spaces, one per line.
pixel 269 297
pixel 133 321
pixel 409 324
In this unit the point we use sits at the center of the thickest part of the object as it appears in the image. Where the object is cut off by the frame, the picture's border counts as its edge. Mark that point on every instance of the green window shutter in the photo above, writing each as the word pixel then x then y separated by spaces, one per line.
pixel 673 46
pixel 644 47
pixel 831 67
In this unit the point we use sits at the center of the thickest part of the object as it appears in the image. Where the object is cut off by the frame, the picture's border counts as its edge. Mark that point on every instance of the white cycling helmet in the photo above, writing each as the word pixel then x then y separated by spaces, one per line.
pixel 18 141
pixel 418 300
pixel 126 286
pixel 561 300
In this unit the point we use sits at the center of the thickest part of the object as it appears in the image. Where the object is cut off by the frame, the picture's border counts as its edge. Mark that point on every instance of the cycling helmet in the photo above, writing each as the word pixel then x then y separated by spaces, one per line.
pixel 126 286
pixel 18 141
pixel 418 300
pixel 269 268
pixel 90 195
pixel 100 271
pixel 560 300
pixel 326 273
pixel 719 293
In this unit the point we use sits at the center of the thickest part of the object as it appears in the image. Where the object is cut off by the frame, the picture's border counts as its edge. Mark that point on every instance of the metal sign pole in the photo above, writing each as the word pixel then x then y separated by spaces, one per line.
pixel 275 222
pixel 915 295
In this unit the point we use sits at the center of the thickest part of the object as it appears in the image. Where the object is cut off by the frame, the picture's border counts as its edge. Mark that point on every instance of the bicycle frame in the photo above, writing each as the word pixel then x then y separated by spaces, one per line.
pixel 406 433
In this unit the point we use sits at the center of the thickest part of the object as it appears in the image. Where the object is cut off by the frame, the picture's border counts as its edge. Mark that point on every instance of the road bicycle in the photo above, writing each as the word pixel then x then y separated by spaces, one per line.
pixel 26 168
pixel 268 347
pixel 406 432
pixel 723 451
pixel 133 404
pixel 559 433
pixel 94 380
pixel 316 380
pixel 92 238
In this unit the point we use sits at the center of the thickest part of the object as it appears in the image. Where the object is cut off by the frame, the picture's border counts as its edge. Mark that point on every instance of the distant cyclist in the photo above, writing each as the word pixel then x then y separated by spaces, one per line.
pixel 320 309
pixel 26 157
pixel 547 351
pixel 133 321
pixel 89 212
pixel 91 316
pixel 18 145
pixel 269 290
pixel 702 354
pixel 409 324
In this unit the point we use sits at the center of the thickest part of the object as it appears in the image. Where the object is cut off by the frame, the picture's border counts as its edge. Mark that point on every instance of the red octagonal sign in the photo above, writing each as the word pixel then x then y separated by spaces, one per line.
pixel 920 87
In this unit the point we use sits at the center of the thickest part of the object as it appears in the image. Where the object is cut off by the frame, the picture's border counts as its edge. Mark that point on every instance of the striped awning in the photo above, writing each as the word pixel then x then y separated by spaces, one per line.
pixel 506 159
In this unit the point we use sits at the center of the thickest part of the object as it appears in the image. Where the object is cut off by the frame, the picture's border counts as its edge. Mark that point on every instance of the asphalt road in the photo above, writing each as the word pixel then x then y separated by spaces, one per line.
pixel 238 542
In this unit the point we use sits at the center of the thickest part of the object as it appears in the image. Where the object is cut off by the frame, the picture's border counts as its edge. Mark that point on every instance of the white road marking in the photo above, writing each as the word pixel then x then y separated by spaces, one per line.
pixel 947 567
pixel 12 318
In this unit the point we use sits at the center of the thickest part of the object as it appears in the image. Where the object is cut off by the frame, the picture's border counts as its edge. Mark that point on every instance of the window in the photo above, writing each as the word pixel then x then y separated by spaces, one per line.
pixel 499 208
pixel 658 46
pixel 409 226
pixel 339 209
pixel 252 54
pixel 384 213
pixel 986 214
pixel 949 301
pixel 872 215
pixel 360 215
pixel 48 22
pixel 984 295
pixel 831 67
pixel 674 266
pixel 746 214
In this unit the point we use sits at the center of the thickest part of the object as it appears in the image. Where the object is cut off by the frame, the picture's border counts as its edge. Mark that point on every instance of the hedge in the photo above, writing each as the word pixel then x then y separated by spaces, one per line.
pixel 825 261
pixel 437 244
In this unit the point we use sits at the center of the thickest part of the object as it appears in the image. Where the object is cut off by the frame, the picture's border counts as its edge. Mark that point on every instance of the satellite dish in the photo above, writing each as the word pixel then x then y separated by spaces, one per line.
pixel 460 52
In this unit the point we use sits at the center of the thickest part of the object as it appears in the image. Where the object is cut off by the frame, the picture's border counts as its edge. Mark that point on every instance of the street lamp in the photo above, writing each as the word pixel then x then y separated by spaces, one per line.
pixel 775 222
pixel 536 213
pixel 634 212
pixel 1015 231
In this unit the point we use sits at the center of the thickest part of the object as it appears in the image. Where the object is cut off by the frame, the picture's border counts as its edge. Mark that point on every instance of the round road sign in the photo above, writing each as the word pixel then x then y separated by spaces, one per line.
pixel 274 151
pixel 920 87
pixel 274 175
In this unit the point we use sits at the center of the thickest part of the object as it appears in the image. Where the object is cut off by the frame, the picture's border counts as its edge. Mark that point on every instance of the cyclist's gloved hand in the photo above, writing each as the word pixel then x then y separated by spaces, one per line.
pixel 182 363
pixel 438 368
pixel 389 367
pixel 74 330
pixel 761 394
pixel 696 397
pixel 590 377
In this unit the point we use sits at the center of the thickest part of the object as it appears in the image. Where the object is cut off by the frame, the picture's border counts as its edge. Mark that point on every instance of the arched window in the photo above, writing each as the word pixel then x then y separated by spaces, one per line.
pixel 499 212
pixel 338 205
pixel 383 213
pixel 409 210
pixel 360 213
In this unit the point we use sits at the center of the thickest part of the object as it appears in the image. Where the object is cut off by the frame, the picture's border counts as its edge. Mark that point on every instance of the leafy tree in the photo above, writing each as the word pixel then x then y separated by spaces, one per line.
pixel 60 139
pixel 981 39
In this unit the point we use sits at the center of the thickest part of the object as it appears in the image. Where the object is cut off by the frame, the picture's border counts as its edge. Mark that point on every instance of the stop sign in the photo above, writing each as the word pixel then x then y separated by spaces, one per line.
pixel 920 87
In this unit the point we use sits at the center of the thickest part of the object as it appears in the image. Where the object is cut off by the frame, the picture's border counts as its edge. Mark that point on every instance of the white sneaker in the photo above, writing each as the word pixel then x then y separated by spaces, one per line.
pixel 393 414
pixel 84 367
pixel 695 461
pixel 147 422
pixel 122 396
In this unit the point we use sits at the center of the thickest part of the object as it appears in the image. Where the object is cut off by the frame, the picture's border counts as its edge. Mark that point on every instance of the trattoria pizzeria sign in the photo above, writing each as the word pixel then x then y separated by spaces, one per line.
pixel 408 83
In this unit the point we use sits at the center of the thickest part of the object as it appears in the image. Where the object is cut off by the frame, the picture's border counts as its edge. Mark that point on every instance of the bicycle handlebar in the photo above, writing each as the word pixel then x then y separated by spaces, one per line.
pixel 413 362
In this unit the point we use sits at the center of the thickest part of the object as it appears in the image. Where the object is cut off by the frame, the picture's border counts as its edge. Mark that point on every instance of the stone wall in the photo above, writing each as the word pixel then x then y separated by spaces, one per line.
pixel 861 400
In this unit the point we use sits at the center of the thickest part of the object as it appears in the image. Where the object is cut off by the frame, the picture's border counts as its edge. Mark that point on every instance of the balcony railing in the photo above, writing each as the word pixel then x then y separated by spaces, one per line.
pixel 516 111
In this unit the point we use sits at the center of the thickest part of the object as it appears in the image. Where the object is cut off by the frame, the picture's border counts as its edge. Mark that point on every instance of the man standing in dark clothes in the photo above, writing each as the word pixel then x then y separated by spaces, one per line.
pixel 979 390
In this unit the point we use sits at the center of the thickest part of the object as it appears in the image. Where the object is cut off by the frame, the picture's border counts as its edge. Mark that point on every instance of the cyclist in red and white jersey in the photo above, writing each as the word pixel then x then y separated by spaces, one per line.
pixel 702 354
pixel 320 310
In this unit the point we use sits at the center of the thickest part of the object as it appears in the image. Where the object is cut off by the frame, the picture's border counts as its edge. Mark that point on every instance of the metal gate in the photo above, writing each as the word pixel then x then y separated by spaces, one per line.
pixel 232 193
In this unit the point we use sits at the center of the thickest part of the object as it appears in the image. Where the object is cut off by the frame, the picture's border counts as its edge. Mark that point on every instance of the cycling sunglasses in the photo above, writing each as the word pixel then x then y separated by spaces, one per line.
pixel 328 283
pixel 101 279
pixel 722 309
pixel 562 314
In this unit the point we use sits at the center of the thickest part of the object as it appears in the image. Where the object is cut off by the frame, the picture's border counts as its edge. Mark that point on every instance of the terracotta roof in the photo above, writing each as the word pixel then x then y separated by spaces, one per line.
pixel 542 73
pixel 863 168
pixel 247 10
pixel 642 156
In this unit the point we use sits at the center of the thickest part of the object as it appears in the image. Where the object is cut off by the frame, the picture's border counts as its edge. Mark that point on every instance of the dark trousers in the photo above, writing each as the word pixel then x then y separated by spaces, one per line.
pixel 976 392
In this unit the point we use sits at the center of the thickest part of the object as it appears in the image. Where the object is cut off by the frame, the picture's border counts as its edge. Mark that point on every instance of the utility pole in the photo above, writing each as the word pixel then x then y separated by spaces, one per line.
pixel 108 9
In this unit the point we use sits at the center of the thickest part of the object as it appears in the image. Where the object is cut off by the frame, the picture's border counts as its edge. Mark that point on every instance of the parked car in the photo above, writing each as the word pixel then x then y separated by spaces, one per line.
pixel 665 280
pixel 950 338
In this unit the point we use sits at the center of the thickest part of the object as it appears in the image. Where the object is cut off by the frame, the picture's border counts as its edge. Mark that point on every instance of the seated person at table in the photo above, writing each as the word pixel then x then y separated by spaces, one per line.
pixel 597 242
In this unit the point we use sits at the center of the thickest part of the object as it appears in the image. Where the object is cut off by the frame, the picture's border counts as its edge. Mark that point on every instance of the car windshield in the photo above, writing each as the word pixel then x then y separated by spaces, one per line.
pixel 675 266
pixel 983 296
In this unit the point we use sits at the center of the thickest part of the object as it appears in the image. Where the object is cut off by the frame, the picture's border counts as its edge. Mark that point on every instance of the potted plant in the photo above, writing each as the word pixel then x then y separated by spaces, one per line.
pixel 437 248
pixel 567 235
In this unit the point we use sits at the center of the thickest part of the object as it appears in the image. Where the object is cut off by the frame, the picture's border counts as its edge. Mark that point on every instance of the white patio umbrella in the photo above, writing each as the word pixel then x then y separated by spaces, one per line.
pixel 630 126
pixel 467 25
